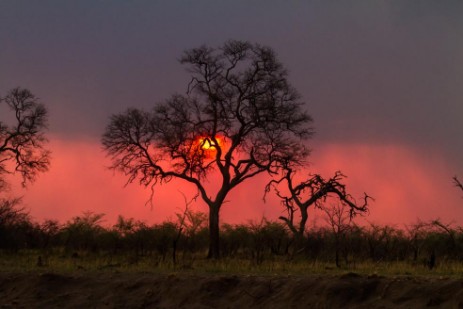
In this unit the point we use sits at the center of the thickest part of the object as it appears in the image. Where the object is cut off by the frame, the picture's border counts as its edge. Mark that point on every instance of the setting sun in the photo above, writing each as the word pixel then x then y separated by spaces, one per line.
pixel 206 143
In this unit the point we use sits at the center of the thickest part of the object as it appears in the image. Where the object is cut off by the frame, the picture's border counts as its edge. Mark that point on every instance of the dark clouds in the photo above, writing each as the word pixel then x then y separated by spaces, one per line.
pixel 382 79
pixel 371 72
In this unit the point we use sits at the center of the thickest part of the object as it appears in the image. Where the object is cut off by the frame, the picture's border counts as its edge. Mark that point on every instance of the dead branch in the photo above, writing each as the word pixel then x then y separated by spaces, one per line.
pixel 314 191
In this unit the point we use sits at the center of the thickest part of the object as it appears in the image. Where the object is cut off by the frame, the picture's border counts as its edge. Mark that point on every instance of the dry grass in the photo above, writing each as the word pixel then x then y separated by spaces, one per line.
pixel 27 261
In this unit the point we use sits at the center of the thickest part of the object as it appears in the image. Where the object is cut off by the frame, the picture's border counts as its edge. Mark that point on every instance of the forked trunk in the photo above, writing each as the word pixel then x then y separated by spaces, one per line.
pixel 214 244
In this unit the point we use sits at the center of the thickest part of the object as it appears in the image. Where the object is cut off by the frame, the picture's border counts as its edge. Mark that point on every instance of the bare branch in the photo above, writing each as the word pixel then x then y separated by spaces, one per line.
pixel 313 191
pixel 11 213
pixel 239 118
pixel 22 144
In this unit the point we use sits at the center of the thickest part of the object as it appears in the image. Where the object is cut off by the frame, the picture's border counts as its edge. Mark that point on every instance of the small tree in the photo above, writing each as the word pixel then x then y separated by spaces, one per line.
pixel 416 235
pixel 82 231
pixel 188 222
pixel 239 118
pixel 15 223
pixel 22 143
pixel 339 220
pixel 313 191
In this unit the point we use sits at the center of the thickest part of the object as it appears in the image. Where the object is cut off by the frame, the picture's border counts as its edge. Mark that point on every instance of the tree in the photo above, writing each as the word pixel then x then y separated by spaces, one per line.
pixel 22 143
pixel 15 223
pixel 339 219
pixel 416 234
pixel 82 231
pixel 313 191
pixel 11 213
pixel 239 118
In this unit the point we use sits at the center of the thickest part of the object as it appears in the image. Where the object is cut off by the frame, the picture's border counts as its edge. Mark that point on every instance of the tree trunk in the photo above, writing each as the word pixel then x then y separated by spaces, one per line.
pixel 304 218
pixel 299 243
pixel 214 245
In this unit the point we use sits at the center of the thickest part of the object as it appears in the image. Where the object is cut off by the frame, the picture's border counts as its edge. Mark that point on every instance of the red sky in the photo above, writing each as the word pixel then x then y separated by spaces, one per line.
pixel 406 185
pixel 382 80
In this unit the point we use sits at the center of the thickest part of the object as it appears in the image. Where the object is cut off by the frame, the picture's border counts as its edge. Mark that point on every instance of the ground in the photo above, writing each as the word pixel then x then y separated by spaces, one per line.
pixel 149 290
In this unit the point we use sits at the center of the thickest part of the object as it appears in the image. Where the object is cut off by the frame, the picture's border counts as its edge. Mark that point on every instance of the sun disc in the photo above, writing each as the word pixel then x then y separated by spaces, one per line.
pixel 206 144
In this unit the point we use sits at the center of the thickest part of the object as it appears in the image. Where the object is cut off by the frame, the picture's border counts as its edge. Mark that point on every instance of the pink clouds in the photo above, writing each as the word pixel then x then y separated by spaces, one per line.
pixel 406 183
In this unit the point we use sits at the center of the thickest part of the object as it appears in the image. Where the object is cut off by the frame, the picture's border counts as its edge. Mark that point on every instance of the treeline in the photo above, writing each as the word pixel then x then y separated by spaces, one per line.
pixel 186 238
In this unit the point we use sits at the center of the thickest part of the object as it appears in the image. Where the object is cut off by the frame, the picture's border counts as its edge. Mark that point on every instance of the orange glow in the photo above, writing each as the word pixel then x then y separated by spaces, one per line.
pixel 207 146
pixel 78 180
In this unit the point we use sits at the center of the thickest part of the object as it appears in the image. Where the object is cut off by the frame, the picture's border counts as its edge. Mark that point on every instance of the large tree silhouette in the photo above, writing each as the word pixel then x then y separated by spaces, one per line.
pixel 239 118
pixel 22 138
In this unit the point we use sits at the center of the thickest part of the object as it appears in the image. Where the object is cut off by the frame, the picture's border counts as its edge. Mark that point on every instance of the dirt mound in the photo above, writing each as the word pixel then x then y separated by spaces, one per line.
pixel 129 290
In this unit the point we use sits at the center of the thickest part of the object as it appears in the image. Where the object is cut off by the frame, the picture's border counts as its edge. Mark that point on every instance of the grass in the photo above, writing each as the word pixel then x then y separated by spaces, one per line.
pixel 26 261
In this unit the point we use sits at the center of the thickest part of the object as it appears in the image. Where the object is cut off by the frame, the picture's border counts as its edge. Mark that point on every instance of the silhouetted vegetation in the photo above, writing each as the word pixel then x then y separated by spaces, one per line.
pixel 239 118
pixel 313 192
pixel 184 241
pixel 22 139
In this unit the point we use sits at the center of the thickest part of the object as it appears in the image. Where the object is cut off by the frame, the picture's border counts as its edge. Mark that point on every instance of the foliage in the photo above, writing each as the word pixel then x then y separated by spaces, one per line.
pixel 22 143
pixel 313 192
pixel 16 228
pixel 264 244
pixel 239 118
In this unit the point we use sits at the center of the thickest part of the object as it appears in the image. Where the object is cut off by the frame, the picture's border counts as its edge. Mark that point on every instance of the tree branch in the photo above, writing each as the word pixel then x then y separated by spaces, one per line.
pixel 22 144
pixel 457 182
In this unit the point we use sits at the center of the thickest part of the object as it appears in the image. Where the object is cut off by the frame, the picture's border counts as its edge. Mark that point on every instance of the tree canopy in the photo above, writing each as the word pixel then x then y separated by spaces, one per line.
pixel 240 117
pixel 22 142
pixel 313 191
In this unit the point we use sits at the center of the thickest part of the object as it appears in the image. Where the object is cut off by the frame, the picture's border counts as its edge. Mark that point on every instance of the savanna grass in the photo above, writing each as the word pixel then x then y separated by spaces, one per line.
pixel 36 261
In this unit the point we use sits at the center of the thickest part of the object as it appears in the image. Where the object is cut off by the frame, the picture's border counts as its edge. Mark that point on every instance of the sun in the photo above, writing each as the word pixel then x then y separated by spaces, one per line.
pixel 206 143
pixel 208 146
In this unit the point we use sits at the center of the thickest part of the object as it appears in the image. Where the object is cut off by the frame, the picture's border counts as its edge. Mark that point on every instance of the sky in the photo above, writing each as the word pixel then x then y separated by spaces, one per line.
pixel 383 81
